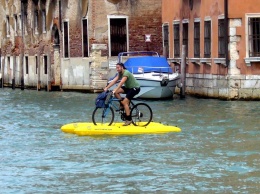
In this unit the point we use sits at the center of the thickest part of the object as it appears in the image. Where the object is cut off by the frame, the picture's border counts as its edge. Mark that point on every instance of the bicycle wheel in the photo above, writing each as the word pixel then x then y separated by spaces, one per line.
pixel 141 114
pixel 103 116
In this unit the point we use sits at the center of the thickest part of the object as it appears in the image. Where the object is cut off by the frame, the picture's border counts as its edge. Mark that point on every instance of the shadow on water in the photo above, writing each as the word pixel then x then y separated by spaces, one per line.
pixel 216 152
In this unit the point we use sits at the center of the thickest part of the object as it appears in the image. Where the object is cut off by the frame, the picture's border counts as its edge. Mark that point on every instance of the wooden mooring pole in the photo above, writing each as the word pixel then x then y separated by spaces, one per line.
pixel 38 72
pixel 183 72
pixel 2 72
pixel 14 72
pixel 49 72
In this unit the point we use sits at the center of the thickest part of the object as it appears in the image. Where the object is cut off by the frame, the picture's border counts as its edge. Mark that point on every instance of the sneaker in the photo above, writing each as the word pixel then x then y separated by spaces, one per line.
pixel 127 123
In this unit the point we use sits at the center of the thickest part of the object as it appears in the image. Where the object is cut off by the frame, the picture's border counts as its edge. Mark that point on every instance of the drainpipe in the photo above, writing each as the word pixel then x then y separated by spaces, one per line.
pixel 226 31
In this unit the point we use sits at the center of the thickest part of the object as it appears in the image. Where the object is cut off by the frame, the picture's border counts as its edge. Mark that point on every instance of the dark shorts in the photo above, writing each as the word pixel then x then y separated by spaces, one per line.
pixel 130 92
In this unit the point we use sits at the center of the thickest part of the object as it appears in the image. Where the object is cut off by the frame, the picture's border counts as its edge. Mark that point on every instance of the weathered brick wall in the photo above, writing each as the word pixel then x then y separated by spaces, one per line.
pixel 144 18
pixel 138 29
pixel 73 13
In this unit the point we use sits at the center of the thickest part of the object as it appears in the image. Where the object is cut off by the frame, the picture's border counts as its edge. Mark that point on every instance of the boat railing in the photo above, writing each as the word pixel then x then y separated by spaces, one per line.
pixel 136 53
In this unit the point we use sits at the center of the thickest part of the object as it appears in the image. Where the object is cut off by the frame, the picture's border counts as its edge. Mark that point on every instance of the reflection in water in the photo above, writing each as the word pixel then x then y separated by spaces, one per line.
pixel 216 152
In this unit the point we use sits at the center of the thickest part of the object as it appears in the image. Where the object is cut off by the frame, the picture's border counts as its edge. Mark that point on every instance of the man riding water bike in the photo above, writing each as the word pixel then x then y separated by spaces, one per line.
pixel 131 88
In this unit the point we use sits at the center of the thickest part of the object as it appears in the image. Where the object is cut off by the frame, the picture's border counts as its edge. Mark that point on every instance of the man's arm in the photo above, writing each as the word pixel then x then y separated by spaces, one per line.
pixel 123 80
pixel 111 83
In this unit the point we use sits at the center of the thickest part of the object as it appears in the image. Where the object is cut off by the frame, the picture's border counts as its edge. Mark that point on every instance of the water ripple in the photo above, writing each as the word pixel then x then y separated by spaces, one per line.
pixel 216 152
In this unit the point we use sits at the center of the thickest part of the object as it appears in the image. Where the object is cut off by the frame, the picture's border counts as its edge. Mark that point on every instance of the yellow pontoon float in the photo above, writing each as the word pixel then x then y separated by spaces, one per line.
pixel 117 129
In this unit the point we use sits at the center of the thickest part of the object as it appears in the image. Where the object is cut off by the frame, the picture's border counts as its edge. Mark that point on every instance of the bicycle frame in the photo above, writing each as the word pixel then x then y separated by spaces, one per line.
pixel 141 113
pixel 115 107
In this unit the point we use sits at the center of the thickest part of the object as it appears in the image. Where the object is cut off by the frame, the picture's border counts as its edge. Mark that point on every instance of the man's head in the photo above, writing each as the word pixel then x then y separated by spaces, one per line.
pixel 120 67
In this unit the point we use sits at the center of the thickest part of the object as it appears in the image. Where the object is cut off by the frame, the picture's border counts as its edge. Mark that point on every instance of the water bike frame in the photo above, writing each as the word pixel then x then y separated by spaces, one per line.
pixel 141 113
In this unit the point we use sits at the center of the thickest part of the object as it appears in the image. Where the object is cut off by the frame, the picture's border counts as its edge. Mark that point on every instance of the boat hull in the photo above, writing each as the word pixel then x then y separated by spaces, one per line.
pixel 156 92
pixel 155 88
pixel 89 129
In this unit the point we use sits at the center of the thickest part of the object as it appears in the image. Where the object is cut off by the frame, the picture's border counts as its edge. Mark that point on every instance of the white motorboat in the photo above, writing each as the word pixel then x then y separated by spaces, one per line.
pixel 154 74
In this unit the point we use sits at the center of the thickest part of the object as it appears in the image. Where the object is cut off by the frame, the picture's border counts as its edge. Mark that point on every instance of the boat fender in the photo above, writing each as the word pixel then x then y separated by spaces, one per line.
pixel 179 85
pixel 164 82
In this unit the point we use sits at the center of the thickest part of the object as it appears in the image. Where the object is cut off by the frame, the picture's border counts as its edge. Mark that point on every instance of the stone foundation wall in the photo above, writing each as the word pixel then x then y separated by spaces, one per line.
pixel 240 87
pixel 235 85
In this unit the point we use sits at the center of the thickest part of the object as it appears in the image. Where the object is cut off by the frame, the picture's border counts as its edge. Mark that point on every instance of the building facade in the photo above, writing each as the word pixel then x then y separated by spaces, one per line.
pixel 72 44
pixel 222 41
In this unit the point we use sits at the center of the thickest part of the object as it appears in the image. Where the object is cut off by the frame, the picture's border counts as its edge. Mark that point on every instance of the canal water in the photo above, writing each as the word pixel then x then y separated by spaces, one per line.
pixel 216 152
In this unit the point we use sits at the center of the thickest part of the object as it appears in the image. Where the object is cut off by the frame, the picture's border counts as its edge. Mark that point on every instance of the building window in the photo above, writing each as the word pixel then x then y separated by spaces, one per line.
pixel 7 25
pixel 176 31
pixel 36 64
pixel 118 35
pixel 26 65
pixel 197 39
pixel 221 38
pixel 36 21
pixel 66 38
pixel 15 24
pixel 207 39
pixel 25 23
pixel 254 37
pixel 185 37
pixel 45 59
pixel 44 21
pixel 85 37
pixel 166 40
pixel 20 22
pixel 8 64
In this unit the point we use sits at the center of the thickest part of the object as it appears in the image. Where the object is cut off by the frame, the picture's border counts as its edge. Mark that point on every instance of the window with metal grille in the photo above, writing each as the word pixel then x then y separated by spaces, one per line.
pixel 66 38
pixel 185 37
pixel 166 39
pixel 254 37
pixel 207 39
pixel 118 35
pixel 36 64
pixel 176 29
pixel 197 39
pixel 221 38
pixel 26 65
pixel 45 59
pixel 85 37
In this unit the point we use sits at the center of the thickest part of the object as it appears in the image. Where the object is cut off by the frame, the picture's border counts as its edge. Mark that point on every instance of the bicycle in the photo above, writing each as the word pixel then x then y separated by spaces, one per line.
pixel 141 112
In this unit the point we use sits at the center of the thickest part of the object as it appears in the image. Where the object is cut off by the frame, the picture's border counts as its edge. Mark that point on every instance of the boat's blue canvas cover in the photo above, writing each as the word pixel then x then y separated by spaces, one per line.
pixel 147 64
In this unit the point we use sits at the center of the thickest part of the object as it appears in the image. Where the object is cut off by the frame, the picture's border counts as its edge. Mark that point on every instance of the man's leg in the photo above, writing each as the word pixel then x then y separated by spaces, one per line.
pixel 128 118
pixel 118 92
pixel 125 103
pixel 118 96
